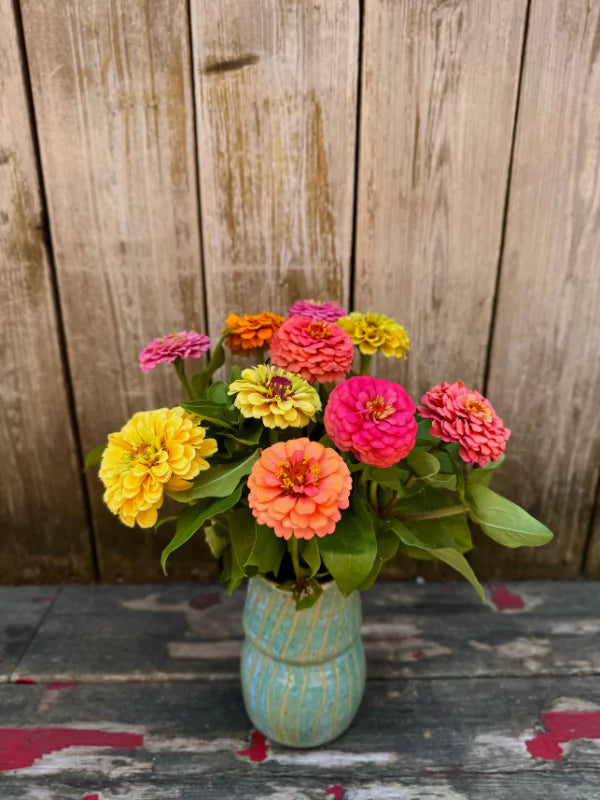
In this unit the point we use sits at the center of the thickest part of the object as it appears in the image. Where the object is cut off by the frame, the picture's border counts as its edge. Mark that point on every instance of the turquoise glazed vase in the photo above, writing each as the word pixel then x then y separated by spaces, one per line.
pixel 303 672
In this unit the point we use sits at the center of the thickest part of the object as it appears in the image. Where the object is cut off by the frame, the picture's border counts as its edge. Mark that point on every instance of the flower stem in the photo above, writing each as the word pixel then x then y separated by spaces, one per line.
pixel 373 496
pixel 365 362
pixel 293 548
pixel 440 512
pixel 180 370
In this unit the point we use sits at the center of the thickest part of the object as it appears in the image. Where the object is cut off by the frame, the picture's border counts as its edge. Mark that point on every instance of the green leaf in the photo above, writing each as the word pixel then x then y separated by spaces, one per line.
pixel 307 593
pixel 441 481
pixel 388 477
pixel 309 553
pixel 372 576
pixel 350 551
pixel 236 374
pixel 217 393
pixel 249 435
pixel 193 517
pixel 423 464
pixel 242 533
pixel 483 475
pixel 504 521
pixel 217 544
pixel 387 541
pixel 217 481
pixel 215 413
pixel 268 550
pixel 94 457
pixel 159 523
pixel 448 555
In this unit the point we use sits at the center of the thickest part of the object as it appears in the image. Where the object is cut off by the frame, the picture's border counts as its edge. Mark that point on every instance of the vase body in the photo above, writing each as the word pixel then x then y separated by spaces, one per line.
pixel 303 672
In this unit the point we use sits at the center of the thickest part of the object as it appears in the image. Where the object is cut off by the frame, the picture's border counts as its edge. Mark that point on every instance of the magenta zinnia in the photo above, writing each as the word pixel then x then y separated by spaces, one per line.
pixel 463 415
pixel 373 418
pixel 185 344
pixel 329 311
pixel 317 350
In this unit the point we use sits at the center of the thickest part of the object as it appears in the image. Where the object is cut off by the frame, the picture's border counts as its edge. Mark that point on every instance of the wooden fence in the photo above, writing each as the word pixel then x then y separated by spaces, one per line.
pixel 165 162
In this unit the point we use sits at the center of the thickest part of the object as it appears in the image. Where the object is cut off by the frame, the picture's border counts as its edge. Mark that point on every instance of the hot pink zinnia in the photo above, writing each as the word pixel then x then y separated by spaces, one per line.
pixel 315 349
pixel 329 311
pixel 463 415
pixel 373 418
pixel 185 344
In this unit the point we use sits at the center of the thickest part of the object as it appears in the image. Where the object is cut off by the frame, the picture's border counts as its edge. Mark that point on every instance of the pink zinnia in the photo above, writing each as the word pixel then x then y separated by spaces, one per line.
pixel 463 415
pixel 329 311
pixel 185 344
pixel 373 418
pixel 315 349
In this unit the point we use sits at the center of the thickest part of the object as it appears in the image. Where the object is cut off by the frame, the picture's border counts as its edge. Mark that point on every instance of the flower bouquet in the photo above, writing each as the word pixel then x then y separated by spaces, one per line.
pixel 307 476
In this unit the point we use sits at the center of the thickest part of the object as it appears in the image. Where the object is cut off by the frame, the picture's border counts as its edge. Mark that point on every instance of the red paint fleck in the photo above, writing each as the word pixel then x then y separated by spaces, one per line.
pixel 505 600
pixel 204 600
pixel 91 797
pixel 58 686
pixel 258 748
pixel 21 747
pixel 336 790
pixel 561 727
pixel 417 654
pixel 25 680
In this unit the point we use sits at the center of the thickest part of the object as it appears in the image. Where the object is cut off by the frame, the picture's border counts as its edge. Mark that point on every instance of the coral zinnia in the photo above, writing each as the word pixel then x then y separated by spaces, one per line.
pixel 373 332
pixel 328 311
pixel 185 344
pixel 298 488
pixel 154 451
pixel 373 418
pixel 315 349
pixel 281 399
pixel 250 332
pixel 463 415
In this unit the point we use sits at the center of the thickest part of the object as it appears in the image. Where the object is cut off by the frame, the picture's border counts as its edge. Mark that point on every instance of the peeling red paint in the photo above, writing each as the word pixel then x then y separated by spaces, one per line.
pixel 505 600
pixel 21 747
pixel 91 797
pixel 562 727
pixel 58 686
pixel 204 600
pixel 25 680
pixel 336 790
pixel 417 654
pixel 258 748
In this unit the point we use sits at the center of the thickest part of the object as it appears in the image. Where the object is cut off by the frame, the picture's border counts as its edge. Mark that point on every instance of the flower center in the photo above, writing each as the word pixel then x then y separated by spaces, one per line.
pixel 279 387
pixel 145 453
pixel 299 475
pixel 319 330
pixel 378 408
pixel 477 408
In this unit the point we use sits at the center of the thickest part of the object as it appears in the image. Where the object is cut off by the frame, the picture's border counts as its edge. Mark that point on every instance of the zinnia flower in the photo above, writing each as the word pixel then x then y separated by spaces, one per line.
pixel 373 332
pixel 317 350
pixel 298 488
pixel 155 451
pixel 281 399
pixel 329 311
pixel 373 418
pixel 251 331
pixel 463 415
pixel 185 344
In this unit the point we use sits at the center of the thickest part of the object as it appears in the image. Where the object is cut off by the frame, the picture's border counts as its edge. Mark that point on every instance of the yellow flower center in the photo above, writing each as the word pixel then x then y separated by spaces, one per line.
pixel 319 330
pixel 477 408
pixel 299 475
pixel 379 409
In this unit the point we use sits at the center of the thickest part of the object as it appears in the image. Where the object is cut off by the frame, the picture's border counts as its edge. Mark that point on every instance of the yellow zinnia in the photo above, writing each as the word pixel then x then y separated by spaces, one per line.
pixel 373 332
pixel 281 399
pixel 155 451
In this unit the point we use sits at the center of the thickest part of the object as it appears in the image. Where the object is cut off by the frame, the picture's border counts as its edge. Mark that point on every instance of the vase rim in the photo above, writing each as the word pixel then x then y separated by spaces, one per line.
pixel 275 587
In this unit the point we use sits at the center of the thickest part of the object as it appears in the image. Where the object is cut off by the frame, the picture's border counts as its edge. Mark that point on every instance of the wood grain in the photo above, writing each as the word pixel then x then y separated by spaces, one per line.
pixel 114 109
pixel 545 370
pixel 276 104
pixel 42 518
pixel 439 85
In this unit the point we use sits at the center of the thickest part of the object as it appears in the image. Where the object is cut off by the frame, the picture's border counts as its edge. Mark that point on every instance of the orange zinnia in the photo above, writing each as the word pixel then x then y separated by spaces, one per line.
pixel 298 488
pixel 252 331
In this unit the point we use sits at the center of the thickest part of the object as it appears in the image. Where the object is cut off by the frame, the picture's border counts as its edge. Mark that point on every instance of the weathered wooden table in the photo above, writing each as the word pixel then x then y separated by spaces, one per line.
pixel 132 692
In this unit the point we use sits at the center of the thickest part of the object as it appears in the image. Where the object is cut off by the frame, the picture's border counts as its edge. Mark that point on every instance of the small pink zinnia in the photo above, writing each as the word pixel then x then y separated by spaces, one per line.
pixel 373 418
pixel 298 488
pixel 463 415
pixel 328 311
pixel 185 344
pixel 315 349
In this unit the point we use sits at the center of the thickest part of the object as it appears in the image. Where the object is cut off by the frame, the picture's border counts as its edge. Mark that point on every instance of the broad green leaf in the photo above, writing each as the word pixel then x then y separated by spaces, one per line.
pixel 242 533
pixel 448 555
pixel 372 576
pixel 200 382
pixel 387 542
pixel 306 594
pixel 268 550
pixel 423 464
pixel 217 544
pixel 217 481
pixel 350 551
pixel 215 413
pixel 217 393
pixel 309 553
pixel 389 477
pixel 504 521
pixel 193 517
pixel 441 481
pixel 249 435
pixel 484 475
pixel 424 432
pixel 236 373
pixel 326 441
pixel 94 457
pixel 425 499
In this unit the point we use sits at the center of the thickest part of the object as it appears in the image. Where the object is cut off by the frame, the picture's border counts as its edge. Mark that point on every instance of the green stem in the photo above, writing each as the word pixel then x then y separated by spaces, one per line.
pixel 440 512
pixel 373 496
pixel 180 370
pixel 298 572
pixel 260 354
pixel 389 506
pixel 365 362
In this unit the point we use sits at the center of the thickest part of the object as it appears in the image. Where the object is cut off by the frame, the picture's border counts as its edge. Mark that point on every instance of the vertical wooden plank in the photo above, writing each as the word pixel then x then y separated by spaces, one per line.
pixel 276 103
pixel 545 370
pixel 44 534
pixel 113 99
pixel 439 84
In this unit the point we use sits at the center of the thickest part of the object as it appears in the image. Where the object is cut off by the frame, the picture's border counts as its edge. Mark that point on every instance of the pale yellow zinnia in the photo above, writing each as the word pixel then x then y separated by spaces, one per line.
pixel 376 332
pixel 279 398
pixel 155 451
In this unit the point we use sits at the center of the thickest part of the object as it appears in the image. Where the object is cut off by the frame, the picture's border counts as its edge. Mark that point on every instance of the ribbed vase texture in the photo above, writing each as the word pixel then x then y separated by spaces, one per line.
pixel 303 672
